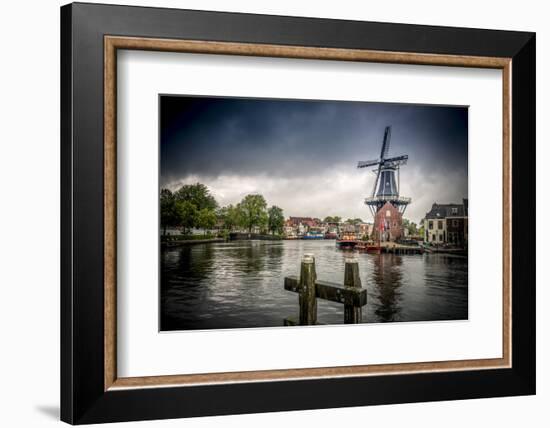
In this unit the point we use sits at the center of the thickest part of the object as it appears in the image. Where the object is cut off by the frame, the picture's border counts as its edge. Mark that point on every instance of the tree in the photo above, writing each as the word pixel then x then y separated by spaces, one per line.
pixel 333 219
pixel 198 194
pixel 168 212
pixel 410 226
pixel 205 219
pixel 252 212
pixel 230 217
pixel 186 212
pixel 354 221
pixel 275 220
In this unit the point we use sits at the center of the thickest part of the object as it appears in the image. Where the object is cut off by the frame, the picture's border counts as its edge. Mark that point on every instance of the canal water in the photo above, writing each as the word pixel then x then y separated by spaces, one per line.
pixel 240 284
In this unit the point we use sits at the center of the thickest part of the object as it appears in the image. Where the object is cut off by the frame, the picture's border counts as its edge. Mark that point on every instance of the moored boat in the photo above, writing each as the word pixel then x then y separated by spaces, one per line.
pixel 368 247
pixel 347 240
pixel 374 249
pixel 313 235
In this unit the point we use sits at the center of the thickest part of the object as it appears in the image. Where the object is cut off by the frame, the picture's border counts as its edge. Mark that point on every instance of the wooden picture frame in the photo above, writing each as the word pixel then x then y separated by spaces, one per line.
pixel 91 390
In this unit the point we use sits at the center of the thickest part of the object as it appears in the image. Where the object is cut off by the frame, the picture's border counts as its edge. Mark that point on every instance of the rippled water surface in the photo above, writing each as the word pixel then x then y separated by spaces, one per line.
pixel 240 284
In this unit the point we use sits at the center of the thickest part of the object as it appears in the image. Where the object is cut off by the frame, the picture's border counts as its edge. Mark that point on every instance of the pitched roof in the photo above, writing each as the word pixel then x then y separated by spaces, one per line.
pixel 446 210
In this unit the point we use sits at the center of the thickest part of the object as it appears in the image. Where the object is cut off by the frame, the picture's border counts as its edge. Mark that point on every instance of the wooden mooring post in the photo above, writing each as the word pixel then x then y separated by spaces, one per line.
pixel 307 298
pixel 309 289
pixel 352 314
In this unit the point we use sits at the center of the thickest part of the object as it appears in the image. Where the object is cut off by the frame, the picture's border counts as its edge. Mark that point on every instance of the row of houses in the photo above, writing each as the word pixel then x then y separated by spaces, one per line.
pixel 298 227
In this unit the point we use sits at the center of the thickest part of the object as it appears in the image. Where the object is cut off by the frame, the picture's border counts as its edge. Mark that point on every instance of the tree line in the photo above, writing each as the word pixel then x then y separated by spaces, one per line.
pixel 193 206
pixel 338 220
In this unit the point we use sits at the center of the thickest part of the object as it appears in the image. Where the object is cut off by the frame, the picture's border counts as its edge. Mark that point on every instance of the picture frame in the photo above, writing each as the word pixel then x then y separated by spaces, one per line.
pixel 91 35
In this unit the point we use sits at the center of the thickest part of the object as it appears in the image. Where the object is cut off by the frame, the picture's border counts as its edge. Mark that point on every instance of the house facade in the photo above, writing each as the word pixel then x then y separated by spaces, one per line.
pixel 388 224
pixel 447 224
pixel 364 229
pixel 296 227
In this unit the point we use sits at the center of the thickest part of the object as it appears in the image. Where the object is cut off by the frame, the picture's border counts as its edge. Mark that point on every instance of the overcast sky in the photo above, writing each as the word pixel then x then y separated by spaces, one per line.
pixel 302 155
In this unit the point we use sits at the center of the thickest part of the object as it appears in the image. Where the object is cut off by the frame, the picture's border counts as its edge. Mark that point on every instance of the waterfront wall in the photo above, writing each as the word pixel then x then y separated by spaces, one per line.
pixel 243 236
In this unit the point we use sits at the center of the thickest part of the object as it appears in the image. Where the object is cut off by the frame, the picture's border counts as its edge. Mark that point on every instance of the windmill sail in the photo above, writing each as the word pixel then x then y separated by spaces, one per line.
pixel 385 144
pixel 364 164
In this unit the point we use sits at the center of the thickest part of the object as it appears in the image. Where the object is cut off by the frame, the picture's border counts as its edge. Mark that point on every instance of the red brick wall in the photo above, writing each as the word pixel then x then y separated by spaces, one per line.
pixel 394 220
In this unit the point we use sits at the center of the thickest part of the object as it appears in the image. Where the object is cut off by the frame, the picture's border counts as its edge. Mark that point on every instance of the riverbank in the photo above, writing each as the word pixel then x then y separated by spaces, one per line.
pixel 243 236
pixel 181 242
pixel 452 251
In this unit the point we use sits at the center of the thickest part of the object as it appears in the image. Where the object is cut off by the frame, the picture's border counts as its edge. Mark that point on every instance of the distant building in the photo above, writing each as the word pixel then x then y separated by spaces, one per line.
pixel 299 226
pixel 289 231
pixel 304 221
pixel 364 229
pixel 447 224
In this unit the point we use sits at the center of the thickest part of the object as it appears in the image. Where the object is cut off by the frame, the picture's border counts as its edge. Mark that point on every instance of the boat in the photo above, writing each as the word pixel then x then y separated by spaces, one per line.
pixel 368 247
pixel 347 240
pixel 314 234
pixel 374 249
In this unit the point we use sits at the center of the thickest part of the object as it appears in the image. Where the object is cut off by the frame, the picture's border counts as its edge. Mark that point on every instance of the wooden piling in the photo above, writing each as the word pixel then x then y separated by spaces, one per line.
pixel 352 313
pixel 309 289
pixel 307 296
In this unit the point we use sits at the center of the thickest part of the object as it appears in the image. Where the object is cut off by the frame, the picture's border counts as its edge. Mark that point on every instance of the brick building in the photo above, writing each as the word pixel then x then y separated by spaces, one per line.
pixel 447 224
pixel 305 221
pixel 388 223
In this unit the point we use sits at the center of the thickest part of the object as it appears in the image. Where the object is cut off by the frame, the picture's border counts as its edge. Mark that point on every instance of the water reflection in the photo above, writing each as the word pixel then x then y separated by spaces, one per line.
pixel 387 277
pixel 240 284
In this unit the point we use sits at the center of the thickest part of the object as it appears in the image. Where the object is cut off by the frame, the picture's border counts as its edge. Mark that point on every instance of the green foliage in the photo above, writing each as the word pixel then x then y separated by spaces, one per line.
pixel 252 212
pixel 187 213
pixel 230 217
pixel 175 238
pixel 275 220
pixel 333 219
pixel 197 194
pixel 190 206
pixel 205 219
pixel 168 212
pixel 410 226
pixel 354 221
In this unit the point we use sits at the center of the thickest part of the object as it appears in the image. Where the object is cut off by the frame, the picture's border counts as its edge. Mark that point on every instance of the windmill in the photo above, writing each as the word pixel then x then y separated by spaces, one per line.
pixel 386 188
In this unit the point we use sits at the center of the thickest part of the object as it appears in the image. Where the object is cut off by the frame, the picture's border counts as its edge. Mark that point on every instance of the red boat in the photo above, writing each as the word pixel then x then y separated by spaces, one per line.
pixel 368 247
pixel 374 249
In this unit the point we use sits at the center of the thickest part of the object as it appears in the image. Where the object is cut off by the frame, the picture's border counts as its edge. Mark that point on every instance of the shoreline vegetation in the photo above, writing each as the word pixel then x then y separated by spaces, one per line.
pixel 191 213
pixel 193 208
pixel 175 239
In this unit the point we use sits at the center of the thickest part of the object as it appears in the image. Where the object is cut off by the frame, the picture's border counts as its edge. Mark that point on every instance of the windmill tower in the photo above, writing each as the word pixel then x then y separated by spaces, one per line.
pixel 386 206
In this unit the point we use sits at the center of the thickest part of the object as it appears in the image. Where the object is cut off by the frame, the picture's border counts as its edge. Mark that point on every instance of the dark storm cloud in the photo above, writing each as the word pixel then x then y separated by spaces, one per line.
pixel 209 138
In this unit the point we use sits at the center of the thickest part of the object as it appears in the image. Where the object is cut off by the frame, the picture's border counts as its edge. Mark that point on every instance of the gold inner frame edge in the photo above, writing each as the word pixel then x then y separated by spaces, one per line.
pixel 113 43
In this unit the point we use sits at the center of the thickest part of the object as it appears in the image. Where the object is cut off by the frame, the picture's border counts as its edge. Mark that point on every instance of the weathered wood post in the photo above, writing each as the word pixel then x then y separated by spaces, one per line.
pixel 352 314
pixel 307 297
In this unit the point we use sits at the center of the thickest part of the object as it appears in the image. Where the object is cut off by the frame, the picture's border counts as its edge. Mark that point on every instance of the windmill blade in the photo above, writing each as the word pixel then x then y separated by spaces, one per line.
pixel 376 181
pixel 397 160
pixel 364 164
pixel 385 143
